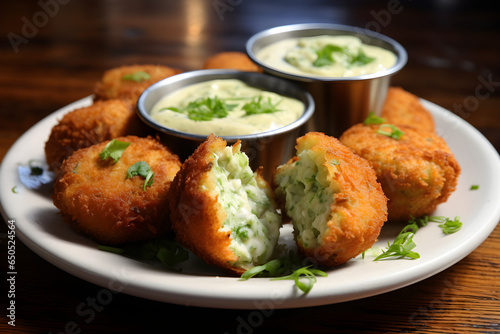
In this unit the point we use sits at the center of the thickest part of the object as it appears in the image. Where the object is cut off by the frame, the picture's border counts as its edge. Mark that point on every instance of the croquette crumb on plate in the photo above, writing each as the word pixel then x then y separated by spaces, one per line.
pixel 40 227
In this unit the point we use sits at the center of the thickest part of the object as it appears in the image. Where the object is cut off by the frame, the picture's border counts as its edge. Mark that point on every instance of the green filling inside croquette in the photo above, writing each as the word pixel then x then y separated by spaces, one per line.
pixel 253 221
pixel 308 196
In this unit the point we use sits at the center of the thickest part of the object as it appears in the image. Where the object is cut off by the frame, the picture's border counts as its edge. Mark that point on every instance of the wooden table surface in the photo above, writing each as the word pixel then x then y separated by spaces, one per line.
pixel 53 52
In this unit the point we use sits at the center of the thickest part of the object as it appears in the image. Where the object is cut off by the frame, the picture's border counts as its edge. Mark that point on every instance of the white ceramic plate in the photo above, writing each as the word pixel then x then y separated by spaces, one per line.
pixel 39 226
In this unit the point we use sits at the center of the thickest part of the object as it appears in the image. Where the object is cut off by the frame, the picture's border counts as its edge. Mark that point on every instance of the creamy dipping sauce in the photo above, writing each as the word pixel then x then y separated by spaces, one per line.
pixel 235 94
pixel 326 56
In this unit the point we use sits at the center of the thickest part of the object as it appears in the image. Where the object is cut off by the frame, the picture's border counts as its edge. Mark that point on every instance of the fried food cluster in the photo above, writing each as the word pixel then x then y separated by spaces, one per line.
pixel 98 199
pixel 83 127
pixel 417 170
pixel 231 60
pixel 221 210
pixel 337 193
pixel 128 82
pixel 336 205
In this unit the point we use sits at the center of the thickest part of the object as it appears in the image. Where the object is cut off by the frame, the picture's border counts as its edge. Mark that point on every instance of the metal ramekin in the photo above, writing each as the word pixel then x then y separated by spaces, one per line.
pixel 340 101
pixel 267 149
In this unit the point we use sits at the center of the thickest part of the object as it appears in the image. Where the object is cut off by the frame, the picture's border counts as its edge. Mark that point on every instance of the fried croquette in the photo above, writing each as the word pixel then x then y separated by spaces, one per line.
pixel 417 171
pixel 402 107
pixel 128 82
pixel 100 200
pixel 83 127
pixel 231 60
pixel 221 210
pixel 335 203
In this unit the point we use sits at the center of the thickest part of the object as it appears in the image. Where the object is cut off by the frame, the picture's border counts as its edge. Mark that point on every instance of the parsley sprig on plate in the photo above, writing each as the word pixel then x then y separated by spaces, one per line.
pixel 287 267
pixel 403 245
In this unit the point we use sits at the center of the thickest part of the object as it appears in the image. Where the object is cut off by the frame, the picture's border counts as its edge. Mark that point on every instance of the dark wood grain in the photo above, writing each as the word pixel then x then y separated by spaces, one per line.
pixel 453 49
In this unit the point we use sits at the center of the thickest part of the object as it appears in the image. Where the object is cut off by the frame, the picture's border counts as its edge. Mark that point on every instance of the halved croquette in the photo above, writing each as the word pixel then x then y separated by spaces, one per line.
pixel 223 211
pixel 333 199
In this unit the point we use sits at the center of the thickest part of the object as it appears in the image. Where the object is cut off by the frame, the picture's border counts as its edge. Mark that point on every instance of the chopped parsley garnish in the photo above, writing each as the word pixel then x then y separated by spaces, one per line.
pixel 205 109
pixel 138 76
pixel 325 56
pixel 287 267
pixel 360 59
pixel 474 187
pixel 260 106
pixel 394 132
pixel 403 244
pixel 373 119
pixel 141 168
pixel 113 150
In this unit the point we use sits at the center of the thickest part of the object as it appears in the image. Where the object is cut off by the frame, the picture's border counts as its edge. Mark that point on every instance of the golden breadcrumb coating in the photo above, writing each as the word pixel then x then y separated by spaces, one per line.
pixel 402 107
pixel 417 172
pixel 336 205
pixel 83 127
pixel 97 199
pixel 115 85
pixel 231 60
pixel 199 219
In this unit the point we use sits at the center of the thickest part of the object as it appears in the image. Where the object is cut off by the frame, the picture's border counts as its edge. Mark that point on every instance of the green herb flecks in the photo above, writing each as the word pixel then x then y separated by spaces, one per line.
pixel 205 109
pixel 394 132
pixel 141 168
pixel 305 272
pixel 287 267
pixel 260 106
pixel 360 59
pixel 448 225
pixel 138 76
pixel 474 187
pixel 403 245
pixel 373 119
pixel 325 56
pixel 113 150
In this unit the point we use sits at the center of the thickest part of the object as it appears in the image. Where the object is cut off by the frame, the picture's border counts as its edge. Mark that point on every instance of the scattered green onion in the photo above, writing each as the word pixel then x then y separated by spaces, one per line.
pixel 474 187
pixel 287 267
pixel 403 244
